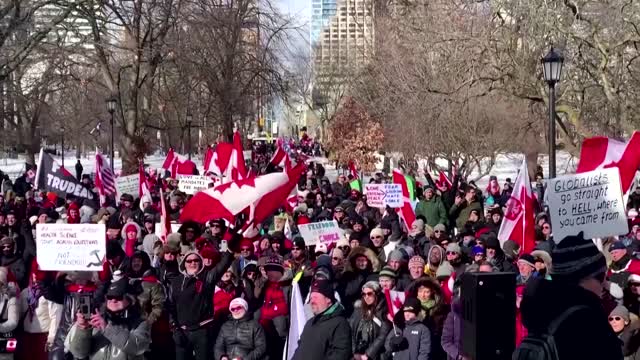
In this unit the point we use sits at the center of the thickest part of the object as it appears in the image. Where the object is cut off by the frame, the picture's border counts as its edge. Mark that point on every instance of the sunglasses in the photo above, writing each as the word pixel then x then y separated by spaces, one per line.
pixel 634 284
pixel 343 247
pixel 115 298
pixel 616 318
pixel 215 226
pixel 336 259
pixel 296 248
pixel 368 293
pixel 546 227
pixel 438 231
pixel 452 253
pixel 236 309
pixel 376 237
pixel 191 261
pixel 7 246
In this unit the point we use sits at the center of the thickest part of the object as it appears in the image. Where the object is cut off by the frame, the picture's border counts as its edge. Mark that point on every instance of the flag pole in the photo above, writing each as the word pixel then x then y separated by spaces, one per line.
pixel 38 167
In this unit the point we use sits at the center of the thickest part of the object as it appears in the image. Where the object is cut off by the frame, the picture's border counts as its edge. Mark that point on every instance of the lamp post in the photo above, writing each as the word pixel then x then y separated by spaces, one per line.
pixel 189 119
pixel 63 146
pixel 111 108
pixel 552 70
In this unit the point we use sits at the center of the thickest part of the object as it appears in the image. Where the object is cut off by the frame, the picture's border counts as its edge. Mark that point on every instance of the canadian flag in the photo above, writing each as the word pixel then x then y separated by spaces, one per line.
pixel 262 195
pixel 601 153
pixel 237 170
pixel 443 180
pixel 228 160
pixel 519 217
pixel 395 300
pixel 280 158
pixel 406 211
pixel 219 160
pixel 178 164
pixel 143 187
pixel 165 228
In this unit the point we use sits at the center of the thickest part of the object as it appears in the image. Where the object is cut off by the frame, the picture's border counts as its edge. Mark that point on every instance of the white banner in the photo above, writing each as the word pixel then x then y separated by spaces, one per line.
pixel 325 232
pixel 191 184
pixel 590 202
pixel 174 228
pixel 383 195
pixel 70 247
pixel 128 185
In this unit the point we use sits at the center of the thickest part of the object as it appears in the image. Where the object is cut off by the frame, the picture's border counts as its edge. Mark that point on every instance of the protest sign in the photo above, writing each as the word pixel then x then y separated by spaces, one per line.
pixel 174 228
pixel 128 185
pixel 383 195
pixel 590 202
pixel 70 247
pixel 324 232
pixel 191 184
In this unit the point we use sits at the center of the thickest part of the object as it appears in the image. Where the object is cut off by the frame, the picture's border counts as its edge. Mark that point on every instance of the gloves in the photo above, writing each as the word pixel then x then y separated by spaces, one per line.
pixel 398 343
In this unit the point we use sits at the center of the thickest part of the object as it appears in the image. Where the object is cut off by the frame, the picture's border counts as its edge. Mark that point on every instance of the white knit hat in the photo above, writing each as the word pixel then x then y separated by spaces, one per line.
pixel 239 302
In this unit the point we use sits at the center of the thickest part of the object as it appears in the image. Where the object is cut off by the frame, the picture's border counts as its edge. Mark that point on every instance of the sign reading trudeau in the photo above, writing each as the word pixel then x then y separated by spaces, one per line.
pixel 590 202
pixel 324 232
pixel 70 247
pixel 191 184
pixel 383 195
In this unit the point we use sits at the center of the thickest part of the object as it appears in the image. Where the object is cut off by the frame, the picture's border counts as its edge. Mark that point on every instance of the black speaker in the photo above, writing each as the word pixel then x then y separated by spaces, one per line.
pixel 488 315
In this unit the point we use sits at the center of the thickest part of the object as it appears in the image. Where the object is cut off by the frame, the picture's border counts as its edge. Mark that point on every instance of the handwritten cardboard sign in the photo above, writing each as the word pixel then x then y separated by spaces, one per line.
pixel 383 195
pixel 191 184
pixel 128 185
pixel 324 232
pixel 70 247
pixel 590 202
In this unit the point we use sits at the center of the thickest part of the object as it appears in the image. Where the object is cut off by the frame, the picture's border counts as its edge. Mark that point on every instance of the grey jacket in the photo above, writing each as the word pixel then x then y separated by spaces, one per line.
pixel 419 340
pixel 115 342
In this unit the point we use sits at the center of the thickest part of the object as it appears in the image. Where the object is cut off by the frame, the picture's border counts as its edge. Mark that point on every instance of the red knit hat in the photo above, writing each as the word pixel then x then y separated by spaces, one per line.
pixel 303 219
pixel 209 252
pixel 129 227
pixel 73 206
pixel 246 243
pixel 51 196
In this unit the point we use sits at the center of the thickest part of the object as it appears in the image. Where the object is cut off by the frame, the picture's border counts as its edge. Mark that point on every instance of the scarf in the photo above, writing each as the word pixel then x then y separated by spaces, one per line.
pixel 34 292
pixel 428 304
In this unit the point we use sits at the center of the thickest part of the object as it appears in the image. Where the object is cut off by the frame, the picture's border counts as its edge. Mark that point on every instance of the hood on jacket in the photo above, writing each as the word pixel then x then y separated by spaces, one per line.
pixel 182 264
pixel 126 226
pixel 546 258
pixel 190 225
pixel 436 248
pixel 146 264
pixel 429 283
pixel 359 251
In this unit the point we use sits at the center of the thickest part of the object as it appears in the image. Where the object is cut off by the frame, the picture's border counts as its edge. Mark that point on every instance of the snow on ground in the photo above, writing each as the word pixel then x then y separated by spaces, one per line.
pixel 506 166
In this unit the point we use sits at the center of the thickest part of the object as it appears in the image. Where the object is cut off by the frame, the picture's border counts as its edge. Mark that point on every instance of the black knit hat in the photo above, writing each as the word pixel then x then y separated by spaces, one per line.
pixel 575 258
pixel 412 305
pixel 298 241
pixel 324 287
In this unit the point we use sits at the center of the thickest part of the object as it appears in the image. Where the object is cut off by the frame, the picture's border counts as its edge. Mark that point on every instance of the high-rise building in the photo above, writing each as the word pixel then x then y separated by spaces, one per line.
pixel 347 36
pixel 321 13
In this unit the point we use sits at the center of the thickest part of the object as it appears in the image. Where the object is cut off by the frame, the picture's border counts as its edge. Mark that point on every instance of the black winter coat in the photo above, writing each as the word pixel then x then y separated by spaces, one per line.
pixel 325 336
pixel 242 339
pixel 191 295
pixel 368 336
pixel 545 300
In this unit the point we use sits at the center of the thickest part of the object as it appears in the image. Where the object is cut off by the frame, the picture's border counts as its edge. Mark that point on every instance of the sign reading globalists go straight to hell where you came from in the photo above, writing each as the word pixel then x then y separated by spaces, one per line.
pixel 324 232
pixel 128 185
pixel 70 247
pixel 590 202
pixel 191 184
pixel 383 195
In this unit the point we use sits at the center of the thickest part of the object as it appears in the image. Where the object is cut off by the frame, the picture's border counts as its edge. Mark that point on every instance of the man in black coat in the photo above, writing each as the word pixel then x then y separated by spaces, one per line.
pixel 327 335
pixel 578 274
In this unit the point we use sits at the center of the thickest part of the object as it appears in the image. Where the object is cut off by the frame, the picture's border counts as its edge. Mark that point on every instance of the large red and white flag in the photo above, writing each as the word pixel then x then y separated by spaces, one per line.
pixel 519 218
pixel 178 164
pixel 207 158
pixel 262 195
pixel 219 160
pixel 406 212
pixel 105 179
pixel 237 169
pixel 280 158
pixel 353 170
pixel 601 153
pixel 443 180
pixel 395 300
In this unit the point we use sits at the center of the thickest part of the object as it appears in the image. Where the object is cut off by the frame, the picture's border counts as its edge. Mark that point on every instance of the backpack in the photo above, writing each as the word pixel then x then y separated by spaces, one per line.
pixel 543 346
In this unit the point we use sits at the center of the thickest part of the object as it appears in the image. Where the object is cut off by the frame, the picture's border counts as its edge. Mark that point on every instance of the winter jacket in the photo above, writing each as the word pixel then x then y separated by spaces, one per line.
pixel 44 319
pixel 545 300
pixel 350 285
pixel 630 339
pixel 191 294
pixel 151 296
pixel 620 270
pixel 433 210
pixel 452 334
pixel 368 336
pixel 126 338
pixel 325 336
pixel 419 342
pixel 242 338
pixel 461 212
pixel 9 311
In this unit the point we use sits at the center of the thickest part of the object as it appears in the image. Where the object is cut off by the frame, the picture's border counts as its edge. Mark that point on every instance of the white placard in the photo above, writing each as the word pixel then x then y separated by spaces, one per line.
pixel 71 247
pixel 383 195
pixel 191 184
pixel 128 185
pixel 590 202
pixel 325 232
pixel 174 228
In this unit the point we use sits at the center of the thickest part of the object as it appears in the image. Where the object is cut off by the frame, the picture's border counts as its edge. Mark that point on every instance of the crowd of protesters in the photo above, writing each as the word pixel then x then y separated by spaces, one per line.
pixel 209 293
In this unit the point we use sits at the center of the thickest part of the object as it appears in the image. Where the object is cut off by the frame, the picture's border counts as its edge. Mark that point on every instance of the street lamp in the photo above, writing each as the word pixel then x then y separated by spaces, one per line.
pixel 112 102
pixel 552 70
pixel 63 146
pixel 189 119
